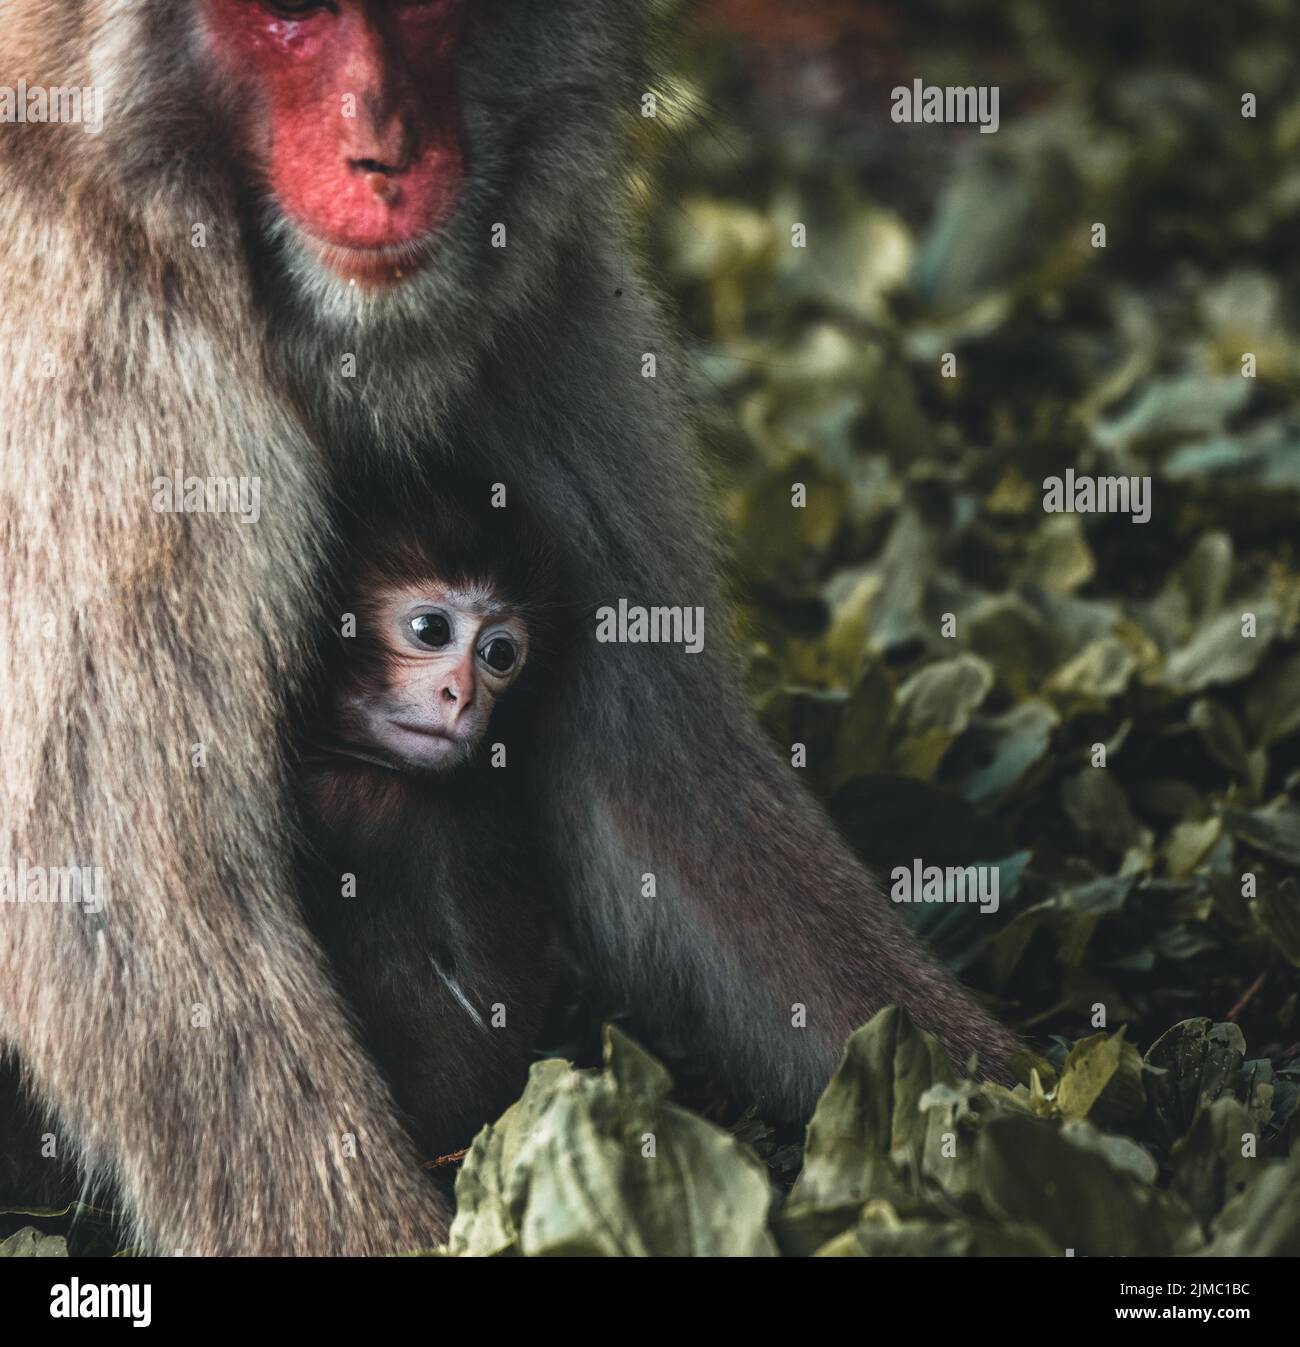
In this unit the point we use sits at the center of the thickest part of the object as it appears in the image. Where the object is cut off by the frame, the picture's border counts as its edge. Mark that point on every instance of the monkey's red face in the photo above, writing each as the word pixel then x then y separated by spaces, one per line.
pixel 446 656
pixel 360 140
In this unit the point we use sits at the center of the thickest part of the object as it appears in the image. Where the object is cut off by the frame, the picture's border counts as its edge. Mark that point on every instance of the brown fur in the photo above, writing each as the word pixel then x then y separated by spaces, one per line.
pixel 170 630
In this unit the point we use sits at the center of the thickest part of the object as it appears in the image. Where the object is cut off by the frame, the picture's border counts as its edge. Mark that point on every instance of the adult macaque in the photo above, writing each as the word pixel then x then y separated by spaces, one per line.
pixel 338 248
pixel 422 883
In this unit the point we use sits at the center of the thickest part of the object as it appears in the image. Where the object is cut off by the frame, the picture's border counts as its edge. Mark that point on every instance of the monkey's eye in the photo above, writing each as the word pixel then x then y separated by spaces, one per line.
pixel 297 9
pixel 499 654
pixel 431 629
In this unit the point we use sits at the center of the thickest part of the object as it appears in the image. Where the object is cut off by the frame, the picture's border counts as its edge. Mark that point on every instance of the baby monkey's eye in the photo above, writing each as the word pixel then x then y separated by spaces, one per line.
pixel 499 654
pixel 431 629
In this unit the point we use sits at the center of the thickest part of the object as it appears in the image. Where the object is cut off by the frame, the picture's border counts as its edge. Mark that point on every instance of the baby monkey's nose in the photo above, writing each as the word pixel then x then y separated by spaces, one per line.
pixel 456 694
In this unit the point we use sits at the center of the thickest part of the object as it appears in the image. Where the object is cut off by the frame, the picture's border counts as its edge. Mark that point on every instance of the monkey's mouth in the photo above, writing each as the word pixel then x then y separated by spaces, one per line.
pixel 427 732
pixel 424 746
pixel 369 268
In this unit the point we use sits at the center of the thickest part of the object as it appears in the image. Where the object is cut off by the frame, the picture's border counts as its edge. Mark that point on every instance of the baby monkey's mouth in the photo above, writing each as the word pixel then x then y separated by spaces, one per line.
pixel 428 731
pixel 421 746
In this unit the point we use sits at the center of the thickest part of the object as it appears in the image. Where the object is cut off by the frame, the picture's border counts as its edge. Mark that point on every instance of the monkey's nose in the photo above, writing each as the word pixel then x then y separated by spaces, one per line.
pixel 379 179
pixel 455 697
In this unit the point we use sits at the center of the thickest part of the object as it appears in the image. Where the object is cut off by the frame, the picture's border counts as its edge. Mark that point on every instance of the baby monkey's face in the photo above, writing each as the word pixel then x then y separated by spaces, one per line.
pixel 446 655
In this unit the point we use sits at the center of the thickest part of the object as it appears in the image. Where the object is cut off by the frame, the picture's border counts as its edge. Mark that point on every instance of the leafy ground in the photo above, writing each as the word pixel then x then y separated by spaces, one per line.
pixel 902 1157
pixel 1149 935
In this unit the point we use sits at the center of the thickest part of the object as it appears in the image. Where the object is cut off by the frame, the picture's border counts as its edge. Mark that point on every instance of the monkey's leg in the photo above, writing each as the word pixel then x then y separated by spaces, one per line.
pixel 218 1082
pixel 179 1017
pixel 707 886
pixel 720 901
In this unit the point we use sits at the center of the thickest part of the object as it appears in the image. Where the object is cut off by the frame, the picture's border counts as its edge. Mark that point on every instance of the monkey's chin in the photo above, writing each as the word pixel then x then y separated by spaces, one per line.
pixel 426 750
pixel 370 269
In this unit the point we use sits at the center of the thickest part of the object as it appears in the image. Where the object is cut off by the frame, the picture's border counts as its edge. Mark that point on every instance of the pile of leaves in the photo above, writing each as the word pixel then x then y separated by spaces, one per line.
pixel 902 1157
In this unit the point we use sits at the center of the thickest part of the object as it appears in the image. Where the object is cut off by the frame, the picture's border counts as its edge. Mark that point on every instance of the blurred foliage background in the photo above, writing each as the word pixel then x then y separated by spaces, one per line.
pixel 822 365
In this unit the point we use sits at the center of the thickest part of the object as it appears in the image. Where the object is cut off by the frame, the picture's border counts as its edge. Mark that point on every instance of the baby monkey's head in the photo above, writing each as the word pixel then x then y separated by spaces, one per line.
pixel 447 610
pixel 445 654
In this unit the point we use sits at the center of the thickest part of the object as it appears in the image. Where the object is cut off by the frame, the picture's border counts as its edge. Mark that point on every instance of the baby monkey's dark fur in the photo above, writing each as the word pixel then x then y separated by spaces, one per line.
pixel 442 942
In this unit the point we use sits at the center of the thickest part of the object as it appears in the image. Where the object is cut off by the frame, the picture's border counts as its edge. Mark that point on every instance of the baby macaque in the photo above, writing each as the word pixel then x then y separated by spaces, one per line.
pixel 423 887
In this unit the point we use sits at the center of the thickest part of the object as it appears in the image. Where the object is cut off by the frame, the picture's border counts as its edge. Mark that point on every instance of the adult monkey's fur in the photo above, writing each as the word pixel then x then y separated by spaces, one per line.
pixel 131 636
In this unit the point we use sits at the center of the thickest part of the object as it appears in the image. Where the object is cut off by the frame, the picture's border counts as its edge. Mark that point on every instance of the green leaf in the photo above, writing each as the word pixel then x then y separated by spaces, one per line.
pixel 1189 404
pixel 31 1243
pixel 882 1234
pixel 600 1164
pixel 1058 556
pixel 1102 1078
pixel 1033 1173
pixel 1122 1153
pixel 1096 804
pixel 868 1122
pixel 1221 735
pixel 1277 909
pixel 1264 1222
pixel 1100 672
pixel 1273 702
pixel 1189 843
pixel 1007 747
pixel 869 1111
pixel 779 534
pixel 1219 653
pixel 1273 831
pixel 1196 1062
pixel 1208 1165
pixel 934 706
pixel 860 748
